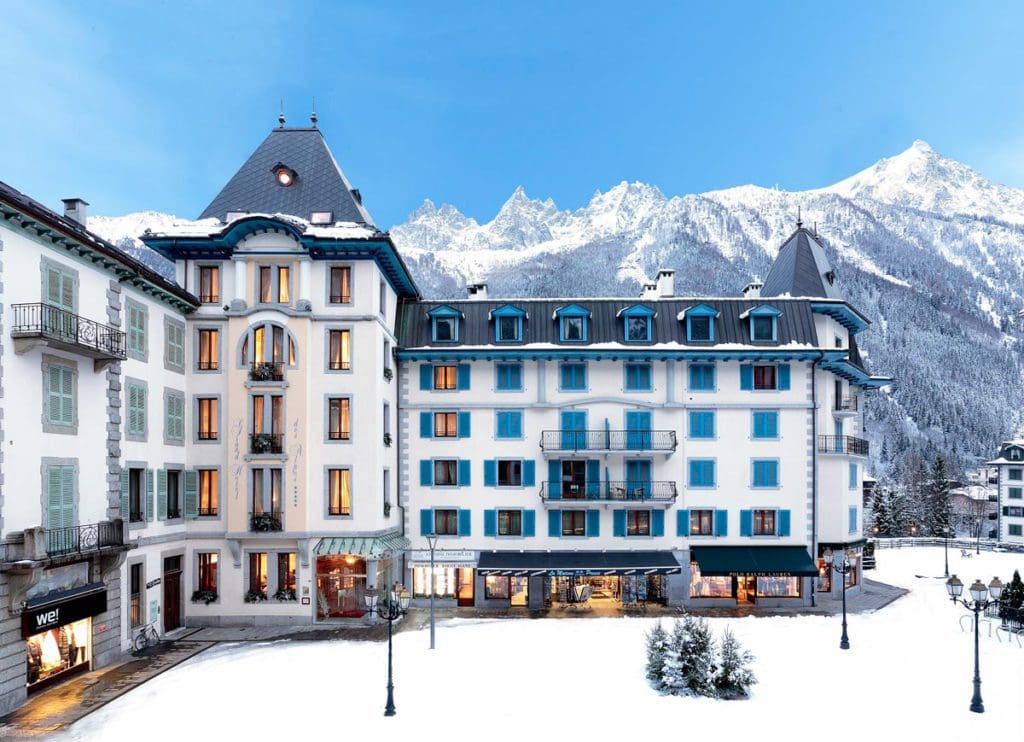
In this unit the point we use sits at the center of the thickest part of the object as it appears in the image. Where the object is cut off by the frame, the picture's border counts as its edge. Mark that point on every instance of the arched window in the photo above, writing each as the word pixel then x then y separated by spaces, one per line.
pixel 267 342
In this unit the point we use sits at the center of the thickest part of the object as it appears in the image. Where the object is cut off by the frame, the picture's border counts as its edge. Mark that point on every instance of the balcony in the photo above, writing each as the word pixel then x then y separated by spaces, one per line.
pixel 263 443
pixel 628 491
pixel 842 444
pixel 846 406
pixel 42 324
pixel 84 539
pixel 266 371
pixel 558 442
pixel 265 522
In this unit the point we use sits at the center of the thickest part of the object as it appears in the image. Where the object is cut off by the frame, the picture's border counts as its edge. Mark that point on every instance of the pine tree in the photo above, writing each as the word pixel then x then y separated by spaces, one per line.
pixel 657 648
pixel 702 664
pixel 734 676
pixel 938 513
pixel 676 658
pixel 1013 594
pixel 880 519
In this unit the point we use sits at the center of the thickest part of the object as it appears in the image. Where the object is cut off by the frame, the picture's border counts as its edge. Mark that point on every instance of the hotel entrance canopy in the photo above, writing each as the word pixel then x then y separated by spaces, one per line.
pixel 539 563
pixel 376 547
pixel 764 561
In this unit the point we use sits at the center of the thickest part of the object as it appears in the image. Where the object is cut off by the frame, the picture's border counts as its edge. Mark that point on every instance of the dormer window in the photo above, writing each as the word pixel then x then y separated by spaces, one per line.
pixel 763 323
pixel 700 323
pixel 284 175
pixel 572 323
pixel 637 323
pixel 444 324
pixel 320 217
pixel 508 324
pixel 1014 453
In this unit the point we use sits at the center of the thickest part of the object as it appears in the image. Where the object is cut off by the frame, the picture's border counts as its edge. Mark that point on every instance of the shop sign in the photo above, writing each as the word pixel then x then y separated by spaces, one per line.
pixel 36 620
pixel 444 557
pixel 153 583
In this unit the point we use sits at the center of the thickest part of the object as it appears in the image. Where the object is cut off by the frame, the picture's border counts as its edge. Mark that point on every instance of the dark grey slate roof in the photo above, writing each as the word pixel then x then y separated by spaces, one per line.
pixel 796 324
pixel 320 184
pixel 801 269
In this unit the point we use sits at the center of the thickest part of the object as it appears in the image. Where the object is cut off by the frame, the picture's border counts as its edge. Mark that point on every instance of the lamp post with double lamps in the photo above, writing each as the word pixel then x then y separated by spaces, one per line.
pixel 945 542
pixel 981 598
pixel 432 543
pixel 842 567
pixel 394 605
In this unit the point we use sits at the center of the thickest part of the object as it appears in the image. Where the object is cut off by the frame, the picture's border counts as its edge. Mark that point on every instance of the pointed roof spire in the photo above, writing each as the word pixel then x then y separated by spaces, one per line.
pixel 313 116
pixel 799 223
pixel 280 116
pixel 801 269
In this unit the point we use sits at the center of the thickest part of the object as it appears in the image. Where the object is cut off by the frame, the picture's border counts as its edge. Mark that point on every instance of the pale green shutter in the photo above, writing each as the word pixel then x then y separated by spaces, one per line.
pixel 54 499
pixel 60 289
pixel 149 494
pixel 67 416
pixel 125 486
pixel 161 494
pixel 68 495
pixel 54 400
pixel 136 409
pixel 191 493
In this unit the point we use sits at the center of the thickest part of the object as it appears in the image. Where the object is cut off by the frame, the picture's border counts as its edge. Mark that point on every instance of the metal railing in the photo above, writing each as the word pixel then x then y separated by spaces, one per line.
pixel 266 443
pixel 842 444
pixel 43 320
pixel 84 539
pixel 608 440
pixel 969 544
pixel 265 522
pixel 846 404
pixel 610 490
pixel 340 298
pixel 266 371
pixel 209 298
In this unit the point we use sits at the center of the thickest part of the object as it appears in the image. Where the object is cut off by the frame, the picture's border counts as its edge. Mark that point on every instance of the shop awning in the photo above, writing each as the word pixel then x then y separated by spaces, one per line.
pixel 369 547
pixel 729 561
pixel 577 563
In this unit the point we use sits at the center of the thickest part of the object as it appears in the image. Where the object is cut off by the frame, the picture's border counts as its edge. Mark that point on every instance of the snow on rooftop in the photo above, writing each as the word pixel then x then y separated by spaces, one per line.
pixel 213 226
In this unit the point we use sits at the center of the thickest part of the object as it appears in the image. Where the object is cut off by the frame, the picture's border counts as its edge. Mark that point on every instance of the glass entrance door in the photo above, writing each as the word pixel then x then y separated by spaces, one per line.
pixel 746 589
pixel 638 480
pixel 464 586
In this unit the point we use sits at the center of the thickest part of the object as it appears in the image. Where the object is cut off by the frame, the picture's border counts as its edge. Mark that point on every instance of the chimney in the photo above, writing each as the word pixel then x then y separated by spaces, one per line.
pixel 665 283
pixel 753 289
pixel 477 291
pixel 74 209
pixel 649 290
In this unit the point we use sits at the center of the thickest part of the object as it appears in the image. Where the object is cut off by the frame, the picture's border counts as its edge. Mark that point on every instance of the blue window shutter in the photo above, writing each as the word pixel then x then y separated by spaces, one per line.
pixel 783 522
pixel 426 522
pixel 760 424
pixel 853 519
pixel 682 522
pixel 426 425
pixel 746 522
pixel 773 473
pixel 618 522
pixel 853 476
pixel 783 376
pixel 593 478
pixel 721 522
pixel 694 478
pixel 529 523
pixel 746 376
pixel 695 376
pixel 426 472
pixel 554 523
pixel 426 376
pixel 515 424
pixel 464 522
pixel 657 522
pixel 593 523
pixel 772 425
pixel 490 472
pixel 464 473
pixel 515 376
pixel 554 479
pixel 563 371
pixel 462 381
pixel 490 522
pixel 502 425
pixel 530 473
pixel 464 430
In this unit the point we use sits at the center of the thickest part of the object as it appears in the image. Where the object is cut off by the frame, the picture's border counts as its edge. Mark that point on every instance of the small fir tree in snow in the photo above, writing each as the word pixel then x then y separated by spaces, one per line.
pixel 1013 594
pixel 657 648
pixel 676 664
pixel 937 512
pixel 701 665
pixel 734 676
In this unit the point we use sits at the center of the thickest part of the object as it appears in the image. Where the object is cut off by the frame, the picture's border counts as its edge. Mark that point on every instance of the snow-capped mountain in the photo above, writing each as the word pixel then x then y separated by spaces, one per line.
pixel 924 244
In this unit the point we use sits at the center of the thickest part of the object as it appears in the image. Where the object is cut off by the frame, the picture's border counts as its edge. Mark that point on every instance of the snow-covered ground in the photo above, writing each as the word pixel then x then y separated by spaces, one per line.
pixel 907 674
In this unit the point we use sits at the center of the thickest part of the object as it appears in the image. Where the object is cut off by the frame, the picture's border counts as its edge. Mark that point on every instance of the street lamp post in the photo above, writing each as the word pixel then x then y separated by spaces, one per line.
pixel 432 543
pixel 981 598
pixel 945 541
pixel 396 605
pixel 842 567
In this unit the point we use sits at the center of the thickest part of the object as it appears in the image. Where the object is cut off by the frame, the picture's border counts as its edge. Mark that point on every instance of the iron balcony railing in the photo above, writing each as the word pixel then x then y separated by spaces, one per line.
pixel 266 371
pixel 845 444
pixel 846 404
pixel 266 443
pixel 610 490
pixel 83 539
pixel 73 331
pixel 265 522
pixel 608 440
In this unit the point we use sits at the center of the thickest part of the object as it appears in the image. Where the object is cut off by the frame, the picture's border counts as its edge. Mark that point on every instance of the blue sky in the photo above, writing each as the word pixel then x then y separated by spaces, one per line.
pixel 154 105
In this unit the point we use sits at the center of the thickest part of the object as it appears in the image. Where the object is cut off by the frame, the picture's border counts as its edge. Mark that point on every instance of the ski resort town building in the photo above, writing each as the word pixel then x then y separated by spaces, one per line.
pixel 1009 482
pixel 289 423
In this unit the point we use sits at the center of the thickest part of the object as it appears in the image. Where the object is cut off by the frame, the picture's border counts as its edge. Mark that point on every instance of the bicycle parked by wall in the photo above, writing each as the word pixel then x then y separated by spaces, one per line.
pixel 145 637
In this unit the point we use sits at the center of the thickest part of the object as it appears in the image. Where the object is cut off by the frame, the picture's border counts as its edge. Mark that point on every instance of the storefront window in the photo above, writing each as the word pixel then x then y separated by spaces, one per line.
pixel 58 650
pixel 258 572
pixel 208 572
pixel 444 582
pixel 286 571
pixel 851 579
pixel 496 588
pixel 135 604
pixel 341 586
pixel 778 587
pixel 708 587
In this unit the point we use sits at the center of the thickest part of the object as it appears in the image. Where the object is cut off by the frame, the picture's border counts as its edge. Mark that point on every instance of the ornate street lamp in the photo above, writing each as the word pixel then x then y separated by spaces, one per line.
pixel 981 598
pixel 432 543
pixel 842 567
pixel 394 605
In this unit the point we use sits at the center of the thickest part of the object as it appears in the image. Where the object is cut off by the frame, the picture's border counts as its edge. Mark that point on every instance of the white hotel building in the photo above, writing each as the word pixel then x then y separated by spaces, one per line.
pixel 1009 466
pixel 289 423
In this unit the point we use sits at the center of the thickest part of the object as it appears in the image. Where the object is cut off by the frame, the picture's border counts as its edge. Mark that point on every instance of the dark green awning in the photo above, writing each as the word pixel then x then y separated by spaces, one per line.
pixel 730 561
